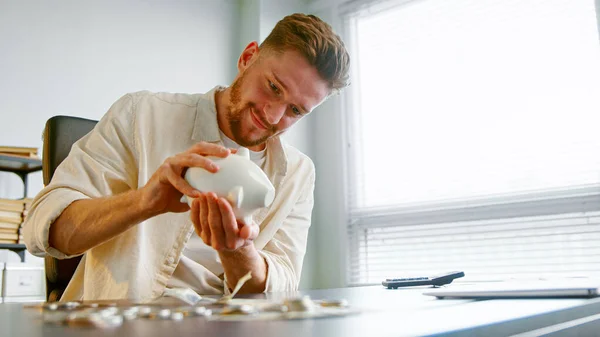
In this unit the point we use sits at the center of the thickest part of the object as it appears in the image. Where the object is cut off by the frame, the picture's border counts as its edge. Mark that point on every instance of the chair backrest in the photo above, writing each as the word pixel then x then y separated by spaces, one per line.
pixel 60 133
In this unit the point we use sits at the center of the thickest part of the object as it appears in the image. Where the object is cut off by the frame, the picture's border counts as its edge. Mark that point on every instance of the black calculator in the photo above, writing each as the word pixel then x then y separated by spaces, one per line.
pixel 438 280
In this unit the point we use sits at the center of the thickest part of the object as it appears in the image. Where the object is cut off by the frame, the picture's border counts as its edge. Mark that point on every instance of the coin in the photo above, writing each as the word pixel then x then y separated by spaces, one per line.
pixel 176 316
pixel 304 304
pixel 243 309
pixel 333 303
pixel 94 319
pixel 160 314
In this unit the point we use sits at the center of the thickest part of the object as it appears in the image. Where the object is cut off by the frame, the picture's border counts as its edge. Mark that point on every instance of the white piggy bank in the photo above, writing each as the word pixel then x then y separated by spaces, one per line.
pixel 238 180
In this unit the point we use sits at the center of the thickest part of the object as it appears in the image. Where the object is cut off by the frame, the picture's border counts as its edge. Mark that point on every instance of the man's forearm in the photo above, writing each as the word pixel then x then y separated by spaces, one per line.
pixel 239 262
pixel 87 223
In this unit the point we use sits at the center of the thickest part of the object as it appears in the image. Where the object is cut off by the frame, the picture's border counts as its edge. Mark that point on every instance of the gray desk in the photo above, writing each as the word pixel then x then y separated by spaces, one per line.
pixel 401 312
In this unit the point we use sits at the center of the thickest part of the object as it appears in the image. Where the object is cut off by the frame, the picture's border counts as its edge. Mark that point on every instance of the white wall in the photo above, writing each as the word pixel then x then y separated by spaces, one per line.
pixel 598 14
pixel 78 57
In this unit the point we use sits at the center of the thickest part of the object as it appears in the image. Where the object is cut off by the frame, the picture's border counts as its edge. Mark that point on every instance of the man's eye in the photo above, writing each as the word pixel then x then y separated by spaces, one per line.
pixel 296 111
pixel 274 87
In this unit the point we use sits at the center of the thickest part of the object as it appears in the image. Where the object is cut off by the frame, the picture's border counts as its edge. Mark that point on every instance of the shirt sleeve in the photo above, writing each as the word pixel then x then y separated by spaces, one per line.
pixel 102 163
pixel 284 253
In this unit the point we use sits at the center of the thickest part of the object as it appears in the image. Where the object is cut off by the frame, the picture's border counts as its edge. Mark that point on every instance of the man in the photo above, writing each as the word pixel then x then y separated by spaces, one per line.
pixel 115 198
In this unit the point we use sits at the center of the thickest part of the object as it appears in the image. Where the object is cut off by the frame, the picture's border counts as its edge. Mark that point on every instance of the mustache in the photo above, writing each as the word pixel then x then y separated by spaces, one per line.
pixel 262 119
pixel 236 115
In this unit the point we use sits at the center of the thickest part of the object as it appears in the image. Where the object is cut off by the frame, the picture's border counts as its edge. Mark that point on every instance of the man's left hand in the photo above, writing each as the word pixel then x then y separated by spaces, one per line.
pixel 216 224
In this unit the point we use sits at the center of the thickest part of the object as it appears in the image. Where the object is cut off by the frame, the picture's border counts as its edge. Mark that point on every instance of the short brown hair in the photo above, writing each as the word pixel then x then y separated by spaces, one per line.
pixel 316 40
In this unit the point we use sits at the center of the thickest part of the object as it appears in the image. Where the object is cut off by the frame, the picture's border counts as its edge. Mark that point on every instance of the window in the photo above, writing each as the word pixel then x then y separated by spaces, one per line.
pixel 474 139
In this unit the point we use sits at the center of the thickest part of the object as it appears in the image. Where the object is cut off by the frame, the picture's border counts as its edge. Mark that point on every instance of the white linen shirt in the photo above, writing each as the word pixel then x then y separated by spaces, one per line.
pixel 197 256
pixel 125 148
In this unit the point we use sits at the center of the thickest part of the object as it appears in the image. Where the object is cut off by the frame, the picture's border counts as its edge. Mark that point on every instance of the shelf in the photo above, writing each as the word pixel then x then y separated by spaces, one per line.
pixel 20 165
pixel 12 246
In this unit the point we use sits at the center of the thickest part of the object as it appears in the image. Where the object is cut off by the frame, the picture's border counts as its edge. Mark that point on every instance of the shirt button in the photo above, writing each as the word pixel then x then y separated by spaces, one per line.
pixel 171 260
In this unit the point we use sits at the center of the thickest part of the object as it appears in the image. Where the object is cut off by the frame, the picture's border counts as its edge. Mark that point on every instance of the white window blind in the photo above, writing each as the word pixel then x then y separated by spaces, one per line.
pixel 474 139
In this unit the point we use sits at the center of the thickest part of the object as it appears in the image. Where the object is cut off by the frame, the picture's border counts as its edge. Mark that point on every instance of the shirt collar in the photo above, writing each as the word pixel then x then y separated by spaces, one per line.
pixel 206 126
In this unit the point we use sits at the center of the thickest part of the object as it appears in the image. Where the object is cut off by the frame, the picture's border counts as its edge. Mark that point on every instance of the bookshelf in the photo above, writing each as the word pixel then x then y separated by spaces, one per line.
pixel 20 166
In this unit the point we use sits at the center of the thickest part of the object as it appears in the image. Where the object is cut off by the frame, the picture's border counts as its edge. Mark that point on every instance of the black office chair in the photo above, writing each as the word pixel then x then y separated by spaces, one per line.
pixel 59 135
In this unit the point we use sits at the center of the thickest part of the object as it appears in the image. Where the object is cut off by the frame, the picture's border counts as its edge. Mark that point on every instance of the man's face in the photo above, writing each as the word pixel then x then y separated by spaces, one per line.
pixel 271 94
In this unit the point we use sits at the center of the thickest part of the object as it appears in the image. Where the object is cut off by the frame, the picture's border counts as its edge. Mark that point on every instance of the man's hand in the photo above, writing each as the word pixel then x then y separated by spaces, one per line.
pixel 162 193
pixel 216 224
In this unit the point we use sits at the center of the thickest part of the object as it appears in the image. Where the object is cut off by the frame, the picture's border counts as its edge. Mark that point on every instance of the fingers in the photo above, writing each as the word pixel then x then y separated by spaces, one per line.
pixel 185 160
pixel 245 232
pixel 205 235
pixel 174 167
pixel 180 207
pixel 180 184
pixel 249 232
pixel 255 232
pixel 215 222
pixel 230 226
pixel 209 149
pixel 195 216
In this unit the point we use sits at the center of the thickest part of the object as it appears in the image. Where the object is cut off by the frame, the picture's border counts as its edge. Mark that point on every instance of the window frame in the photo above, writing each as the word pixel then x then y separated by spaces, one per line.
pixel 580 199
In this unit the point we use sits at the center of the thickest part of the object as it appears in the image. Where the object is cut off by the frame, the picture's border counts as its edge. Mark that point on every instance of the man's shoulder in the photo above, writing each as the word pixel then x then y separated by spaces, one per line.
pixel 187 99
pixel 297 158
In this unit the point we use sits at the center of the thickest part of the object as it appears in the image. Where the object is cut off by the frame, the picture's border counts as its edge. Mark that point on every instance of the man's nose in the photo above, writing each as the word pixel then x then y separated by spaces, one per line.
pixel 274 112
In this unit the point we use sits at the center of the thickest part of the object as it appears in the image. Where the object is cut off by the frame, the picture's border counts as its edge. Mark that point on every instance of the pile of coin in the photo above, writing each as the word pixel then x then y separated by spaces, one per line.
pixel 332 303
pixel 78 314
pixel 106 315
pixel 242 309
pixel 109 315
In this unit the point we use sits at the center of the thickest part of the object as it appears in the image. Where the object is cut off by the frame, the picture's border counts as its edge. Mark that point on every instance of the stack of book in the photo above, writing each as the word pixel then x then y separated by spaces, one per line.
pixel 12 214
pixel 19 151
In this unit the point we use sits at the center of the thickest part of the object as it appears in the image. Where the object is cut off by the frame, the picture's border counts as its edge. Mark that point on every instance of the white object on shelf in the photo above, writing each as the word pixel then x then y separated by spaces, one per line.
pixel 23 282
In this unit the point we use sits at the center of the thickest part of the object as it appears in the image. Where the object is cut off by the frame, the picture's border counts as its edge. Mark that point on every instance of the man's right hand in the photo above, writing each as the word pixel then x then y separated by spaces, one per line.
pixel 162 193
pixel 86 223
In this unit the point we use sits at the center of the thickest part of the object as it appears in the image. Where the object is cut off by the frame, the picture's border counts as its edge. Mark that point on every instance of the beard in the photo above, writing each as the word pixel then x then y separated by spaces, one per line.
pixel 235 114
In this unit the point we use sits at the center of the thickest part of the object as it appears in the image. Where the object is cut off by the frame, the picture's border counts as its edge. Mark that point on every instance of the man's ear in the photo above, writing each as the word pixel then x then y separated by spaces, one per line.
pixel 248 56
